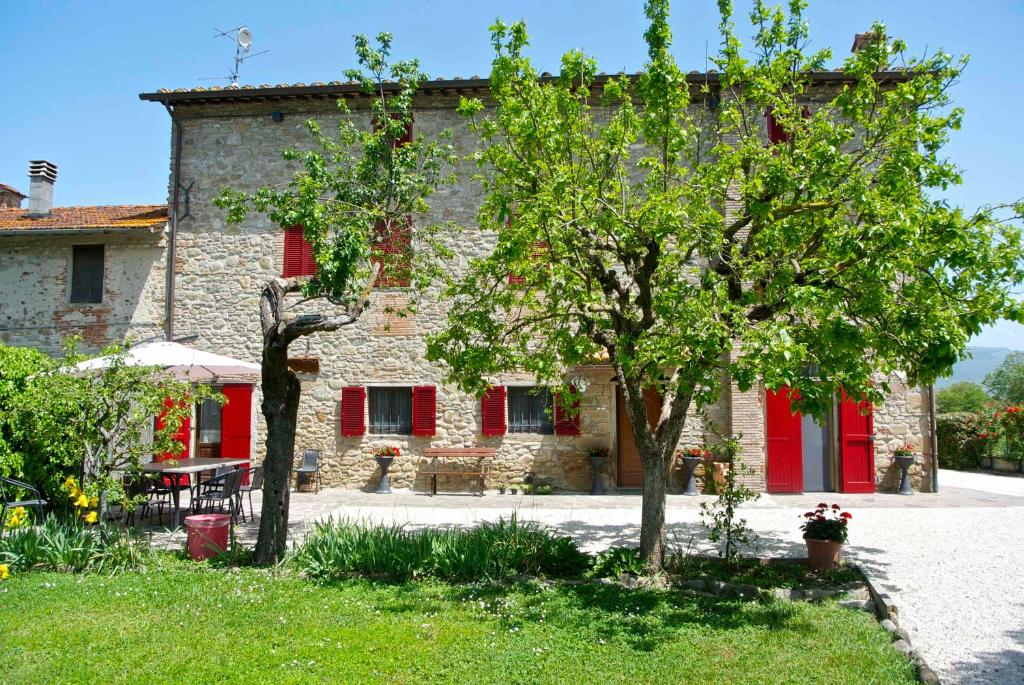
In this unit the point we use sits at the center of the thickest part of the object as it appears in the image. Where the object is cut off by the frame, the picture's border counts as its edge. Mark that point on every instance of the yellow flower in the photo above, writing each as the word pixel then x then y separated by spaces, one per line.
pixel 91 517
pixel 70 485
pixel 5 572
pixel 93 501
pixel 82 502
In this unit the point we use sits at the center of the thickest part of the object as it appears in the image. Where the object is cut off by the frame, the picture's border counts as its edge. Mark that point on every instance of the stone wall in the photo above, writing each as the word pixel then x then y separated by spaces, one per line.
pixel 35 310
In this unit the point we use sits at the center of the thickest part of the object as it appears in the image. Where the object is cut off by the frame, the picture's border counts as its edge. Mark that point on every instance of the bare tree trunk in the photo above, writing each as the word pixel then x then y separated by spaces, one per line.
pixel 652 513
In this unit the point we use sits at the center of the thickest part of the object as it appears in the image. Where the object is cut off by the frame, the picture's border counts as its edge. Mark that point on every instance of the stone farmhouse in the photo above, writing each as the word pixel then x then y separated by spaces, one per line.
pixel 368 385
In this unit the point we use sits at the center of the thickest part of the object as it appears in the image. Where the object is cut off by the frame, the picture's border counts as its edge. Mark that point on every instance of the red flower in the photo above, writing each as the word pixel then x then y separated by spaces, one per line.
pixel 1013 410
pixel 846 515
pixel 820 518
pixel 835 507
pixel 809 515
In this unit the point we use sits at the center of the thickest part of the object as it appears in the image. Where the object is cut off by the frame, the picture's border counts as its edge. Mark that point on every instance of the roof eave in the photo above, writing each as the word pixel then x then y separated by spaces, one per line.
pixel 91 230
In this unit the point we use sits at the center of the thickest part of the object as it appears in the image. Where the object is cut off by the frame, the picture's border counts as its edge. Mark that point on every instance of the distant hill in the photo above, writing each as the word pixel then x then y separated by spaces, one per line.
pixel 982 361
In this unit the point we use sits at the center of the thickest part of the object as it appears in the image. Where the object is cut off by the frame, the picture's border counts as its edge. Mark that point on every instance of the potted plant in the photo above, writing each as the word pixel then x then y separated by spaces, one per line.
pixel 825 532
pixel 502 488
pixel 515 489
pixel 384 457
pixel 692 458
pixel 904 458
pixel 597 456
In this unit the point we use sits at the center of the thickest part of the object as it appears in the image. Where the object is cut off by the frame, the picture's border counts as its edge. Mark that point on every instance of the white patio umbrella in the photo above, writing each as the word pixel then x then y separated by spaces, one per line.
pixel 184 362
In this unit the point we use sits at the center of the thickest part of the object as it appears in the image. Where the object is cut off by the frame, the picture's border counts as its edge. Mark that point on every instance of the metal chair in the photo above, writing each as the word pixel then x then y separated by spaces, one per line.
pixel 9 489
pixel 225 489
pixel 255 483
pixel 136 486
pixel 310 467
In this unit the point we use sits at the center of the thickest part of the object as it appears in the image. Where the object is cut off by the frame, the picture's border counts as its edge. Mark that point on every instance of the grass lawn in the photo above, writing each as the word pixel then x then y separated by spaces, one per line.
pixel 193 625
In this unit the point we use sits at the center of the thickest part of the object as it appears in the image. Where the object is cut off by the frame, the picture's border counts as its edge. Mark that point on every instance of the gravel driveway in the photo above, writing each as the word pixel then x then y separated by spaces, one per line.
pixel 953 561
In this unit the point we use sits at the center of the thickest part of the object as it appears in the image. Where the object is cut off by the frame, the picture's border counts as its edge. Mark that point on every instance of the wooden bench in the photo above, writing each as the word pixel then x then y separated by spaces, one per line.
pixel 437 467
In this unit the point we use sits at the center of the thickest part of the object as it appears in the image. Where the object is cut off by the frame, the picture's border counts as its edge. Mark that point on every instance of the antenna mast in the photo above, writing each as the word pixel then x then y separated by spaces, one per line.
pixel 242 38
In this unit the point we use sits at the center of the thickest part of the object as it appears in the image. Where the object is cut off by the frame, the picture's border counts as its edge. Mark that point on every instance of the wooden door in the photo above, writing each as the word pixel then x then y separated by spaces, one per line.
pixel 856 446
pixel 236 423
pixel 783 431
pixel 630 469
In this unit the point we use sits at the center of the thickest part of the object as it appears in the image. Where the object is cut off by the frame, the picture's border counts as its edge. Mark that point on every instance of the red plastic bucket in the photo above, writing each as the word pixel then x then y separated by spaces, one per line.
pixel 207 535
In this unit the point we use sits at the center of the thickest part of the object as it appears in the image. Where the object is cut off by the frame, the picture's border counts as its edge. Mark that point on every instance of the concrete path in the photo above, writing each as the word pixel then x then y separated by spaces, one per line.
pixel 953 561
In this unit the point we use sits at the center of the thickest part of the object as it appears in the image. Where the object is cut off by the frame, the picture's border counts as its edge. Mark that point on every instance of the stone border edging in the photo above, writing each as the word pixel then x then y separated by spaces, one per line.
pixel 888 617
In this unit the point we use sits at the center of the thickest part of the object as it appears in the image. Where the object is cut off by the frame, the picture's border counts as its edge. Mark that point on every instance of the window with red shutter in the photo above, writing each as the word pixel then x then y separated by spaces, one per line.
pixel 406 137
pixel 492 411
pixel 353 411
pixel 298 254
pixel 566 422
pixel 776 134
pixel 537 254
pixel 392 249
pixel 424 410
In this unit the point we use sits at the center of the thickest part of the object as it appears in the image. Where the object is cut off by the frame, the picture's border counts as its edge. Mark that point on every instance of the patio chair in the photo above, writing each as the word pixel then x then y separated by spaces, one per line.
pixel 10 489
pixel 223 490
pixel 136 486
pixel 255 483
pixel 310 468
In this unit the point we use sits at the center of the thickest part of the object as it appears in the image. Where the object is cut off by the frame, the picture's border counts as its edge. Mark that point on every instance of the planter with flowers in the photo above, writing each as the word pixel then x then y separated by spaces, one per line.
pixel 597 456
pixel 825 532
pixel 903 456
pixel 692 458
pixel 385 456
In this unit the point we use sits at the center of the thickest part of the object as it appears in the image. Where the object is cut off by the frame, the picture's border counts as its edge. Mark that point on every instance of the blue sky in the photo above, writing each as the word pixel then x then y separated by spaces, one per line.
pixel 73 71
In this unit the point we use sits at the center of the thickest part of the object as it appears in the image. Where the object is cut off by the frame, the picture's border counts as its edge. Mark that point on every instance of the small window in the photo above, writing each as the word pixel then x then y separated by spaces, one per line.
pixel 391 411
pixel 529 410
pixel 87 274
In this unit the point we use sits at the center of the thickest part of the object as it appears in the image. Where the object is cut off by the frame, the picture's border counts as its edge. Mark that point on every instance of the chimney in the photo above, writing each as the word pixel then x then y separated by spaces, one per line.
pixel 862 40
pixel 41 177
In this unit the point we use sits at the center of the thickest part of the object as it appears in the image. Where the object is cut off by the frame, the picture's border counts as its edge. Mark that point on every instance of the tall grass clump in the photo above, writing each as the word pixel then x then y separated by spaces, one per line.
pixel 488 551
pixel 71 546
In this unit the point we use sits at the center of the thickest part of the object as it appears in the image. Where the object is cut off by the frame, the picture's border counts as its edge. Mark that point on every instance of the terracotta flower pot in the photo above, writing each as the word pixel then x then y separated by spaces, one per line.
pixel 823 555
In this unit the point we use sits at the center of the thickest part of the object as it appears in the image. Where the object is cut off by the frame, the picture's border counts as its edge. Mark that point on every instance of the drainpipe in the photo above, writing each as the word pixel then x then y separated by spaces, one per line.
pixel 171 244
pixel 933 429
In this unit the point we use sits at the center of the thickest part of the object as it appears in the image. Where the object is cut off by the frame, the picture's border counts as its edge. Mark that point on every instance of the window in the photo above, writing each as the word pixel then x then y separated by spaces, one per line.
pixel 391 411
pixel 529 410
pixel 298 254
pixel 392 249
pixel 87 274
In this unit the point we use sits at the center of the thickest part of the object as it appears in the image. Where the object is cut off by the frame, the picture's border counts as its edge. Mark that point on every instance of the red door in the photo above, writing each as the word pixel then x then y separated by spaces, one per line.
pixel 184 436
pixel 785 472
pixel 856 446
pixel 236 423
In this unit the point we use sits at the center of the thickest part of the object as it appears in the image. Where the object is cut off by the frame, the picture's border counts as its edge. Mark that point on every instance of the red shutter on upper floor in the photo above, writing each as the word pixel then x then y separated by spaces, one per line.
pixel 236 423
pixel 566 424
pixel 424 410
pixel 392 249
pixel 353 411
pixel 492 411
pixel 183 435
pixel 776 134
pixel 406 137
pixel 298 254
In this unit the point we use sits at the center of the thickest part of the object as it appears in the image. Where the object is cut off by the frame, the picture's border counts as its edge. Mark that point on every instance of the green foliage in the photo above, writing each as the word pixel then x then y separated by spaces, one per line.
pixel 1006 382
pixel 279 628
pixel 721 517
pixel 70 546
pixel 615 561
pixel 960 441
pixel 489 551
pixel 788 573
pixel 962 396
pixel 359 184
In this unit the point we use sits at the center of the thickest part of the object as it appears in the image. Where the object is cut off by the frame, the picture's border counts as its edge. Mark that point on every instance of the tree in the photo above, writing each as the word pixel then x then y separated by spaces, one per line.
pixel 1006 382
pixel 356 188
pixel 961 396
pixel 645 218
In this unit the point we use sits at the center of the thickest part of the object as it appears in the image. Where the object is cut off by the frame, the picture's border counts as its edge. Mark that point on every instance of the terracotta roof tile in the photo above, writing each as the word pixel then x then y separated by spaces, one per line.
pixel 102 217
pixel 4 188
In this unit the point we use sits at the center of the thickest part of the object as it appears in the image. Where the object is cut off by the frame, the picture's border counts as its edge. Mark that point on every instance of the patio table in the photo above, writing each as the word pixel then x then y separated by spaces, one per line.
pixel 175 469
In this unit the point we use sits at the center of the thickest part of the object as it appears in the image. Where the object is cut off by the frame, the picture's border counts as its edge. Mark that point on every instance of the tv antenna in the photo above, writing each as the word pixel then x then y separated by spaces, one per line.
pixel 242 38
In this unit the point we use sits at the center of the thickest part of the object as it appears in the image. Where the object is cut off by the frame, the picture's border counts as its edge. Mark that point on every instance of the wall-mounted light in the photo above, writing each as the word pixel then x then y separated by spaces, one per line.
pixel 278 117
pixel 580 383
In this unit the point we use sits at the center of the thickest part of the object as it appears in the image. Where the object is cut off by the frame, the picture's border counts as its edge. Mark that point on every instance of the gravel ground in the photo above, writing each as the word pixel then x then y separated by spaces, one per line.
pixel 953 561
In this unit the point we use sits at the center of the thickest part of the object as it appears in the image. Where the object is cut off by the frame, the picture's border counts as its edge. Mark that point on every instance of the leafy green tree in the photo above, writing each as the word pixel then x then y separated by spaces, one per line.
pixel 1006 382
pixel 357 186
pixel 646 219
pixel 961 396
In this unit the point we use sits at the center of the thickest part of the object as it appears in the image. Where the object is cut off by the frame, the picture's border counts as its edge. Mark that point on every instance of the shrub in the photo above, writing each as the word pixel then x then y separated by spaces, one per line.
pixel 615 561
pixel 489 551
pixel 960 441
pixel 961 396
pixel 70 546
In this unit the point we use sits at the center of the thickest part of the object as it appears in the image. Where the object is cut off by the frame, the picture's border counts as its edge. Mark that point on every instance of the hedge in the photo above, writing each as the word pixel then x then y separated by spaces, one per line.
pixel 960 446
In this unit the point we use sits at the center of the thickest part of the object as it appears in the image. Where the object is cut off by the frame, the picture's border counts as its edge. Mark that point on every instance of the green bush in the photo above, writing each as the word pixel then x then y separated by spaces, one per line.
pixel 615 561
pixel 490 551
pixel 70 546
pixel 959 440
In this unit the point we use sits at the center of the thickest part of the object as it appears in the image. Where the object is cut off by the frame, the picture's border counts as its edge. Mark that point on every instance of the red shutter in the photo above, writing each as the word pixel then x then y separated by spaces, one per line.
pixel 784 437
pixel 856 445
pixel 298 254
pixel 776 134
pixel 183 435
pixel 424 410
pixel 492 411
pixel 236 423
pixel 393 250
pixel 564 423
pixel 353 411
pixel 406 137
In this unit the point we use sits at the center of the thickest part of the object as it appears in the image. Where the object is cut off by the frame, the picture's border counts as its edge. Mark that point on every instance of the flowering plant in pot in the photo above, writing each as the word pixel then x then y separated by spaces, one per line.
pixel 692 457
pixel 387 452
pixel 825 531
pixel 904 458
pixel 384 457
